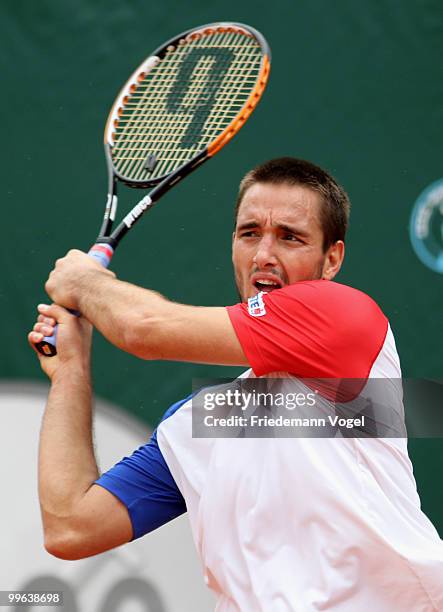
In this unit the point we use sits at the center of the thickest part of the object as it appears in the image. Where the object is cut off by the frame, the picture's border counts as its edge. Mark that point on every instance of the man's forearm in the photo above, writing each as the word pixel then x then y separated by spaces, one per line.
pixel 67 465
pixel 80 519
pixel 120 311
pixel 141 321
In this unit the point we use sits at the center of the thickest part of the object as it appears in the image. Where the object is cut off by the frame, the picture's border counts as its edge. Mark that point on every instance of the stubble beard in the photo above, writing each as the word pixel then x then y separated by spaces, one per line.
pixel 318 275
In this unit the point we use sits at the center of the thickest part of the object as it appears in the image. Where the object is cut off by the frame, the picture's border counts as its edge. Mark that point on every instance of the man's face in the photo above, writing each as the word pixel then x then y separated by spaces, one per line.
pixel 278 239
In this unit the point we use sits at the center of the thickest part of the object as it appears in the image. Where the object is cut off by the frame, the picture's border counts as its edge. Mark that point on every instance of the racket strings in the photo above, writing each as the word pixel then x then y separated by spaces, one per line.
pixel 137 123
pixel 175 126
pixel 185 102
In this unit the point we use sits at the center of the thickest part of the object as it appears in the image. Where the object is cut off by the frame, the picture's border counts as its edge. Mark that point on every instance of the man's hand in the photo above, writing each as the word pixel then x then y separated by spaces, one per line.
pixel 73 276
pixel 73 340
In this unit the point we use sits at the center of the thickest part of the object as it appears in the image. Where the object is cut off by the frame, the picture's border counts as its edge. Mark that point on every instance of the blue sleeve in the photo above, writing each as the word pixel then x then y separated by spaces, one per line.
pixel 144 484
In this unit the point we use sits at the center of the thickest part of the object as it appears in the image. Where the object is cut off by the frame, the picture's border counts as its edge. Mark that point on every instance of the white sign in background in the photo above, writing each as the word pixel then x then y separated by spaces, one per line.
pixel 157 573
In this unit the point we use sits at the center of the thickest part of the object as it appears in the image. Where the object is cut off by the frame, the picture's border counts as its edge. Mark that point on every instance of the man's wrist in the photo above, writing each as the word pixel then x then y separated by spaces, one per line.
pixel 73 373
pixel 90 288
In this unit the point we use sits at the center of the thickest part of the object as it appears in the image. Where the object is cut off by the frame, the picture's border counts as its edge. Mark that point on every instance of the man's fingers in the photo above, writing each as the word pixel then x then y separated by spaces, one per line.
pixel 33 339
pixel 50 316
pixel 53 311
pixel 35 336
pixel 47 320
pixel 45 324
pixel 44 329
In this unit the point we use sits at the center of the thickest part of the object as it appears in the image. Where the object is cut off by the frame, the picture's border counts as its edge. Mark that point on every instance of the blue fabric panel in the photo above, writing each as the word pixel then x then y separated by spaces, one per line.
pixel 144 484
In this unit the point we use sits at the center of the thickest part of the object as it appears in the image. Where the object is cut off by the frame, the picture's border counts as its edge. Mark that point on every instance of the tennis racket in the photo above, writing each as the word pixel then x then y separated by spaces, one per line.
pixel 178 109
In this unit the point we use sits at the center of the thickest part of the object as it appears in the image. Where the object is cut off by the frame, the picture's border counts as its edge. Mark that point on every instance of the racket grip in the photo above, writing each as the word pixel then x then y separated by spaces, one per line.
pixel 102 253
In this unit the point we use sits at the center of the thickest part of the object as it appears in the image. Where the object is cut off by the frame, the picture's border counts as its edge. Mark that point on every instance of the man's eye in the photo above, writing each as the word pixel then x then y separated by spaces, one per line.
pixel 290 237
pixel 248 234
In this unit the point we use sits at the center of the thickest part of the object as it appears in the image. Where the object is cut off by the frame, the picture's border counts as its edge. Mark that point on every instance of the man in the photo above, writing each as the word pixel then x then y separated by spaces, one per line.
pixel 280 524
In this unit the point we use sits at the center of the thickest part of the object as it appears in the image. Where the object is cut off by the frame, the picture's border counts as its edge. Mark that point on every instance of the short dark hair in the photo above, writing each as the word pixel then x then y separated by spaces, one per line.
pixel 335 204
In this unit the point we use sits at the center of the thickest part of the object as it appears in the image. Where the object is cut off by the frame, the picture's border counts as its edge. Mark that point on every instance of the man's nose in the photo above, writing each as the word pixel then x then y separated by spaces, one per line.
pixel 265 255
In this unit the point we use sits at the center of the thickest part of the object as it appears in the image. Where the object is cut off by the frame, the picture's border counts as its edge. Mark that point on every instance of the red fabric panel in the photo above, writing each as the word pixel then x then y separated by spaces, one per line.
pixel 312 329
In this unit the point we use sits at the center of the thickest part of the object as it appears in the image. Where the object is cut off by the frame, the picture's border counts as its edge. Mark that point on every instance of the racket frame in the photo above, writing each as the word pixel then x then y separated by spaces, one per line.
pixel 162 184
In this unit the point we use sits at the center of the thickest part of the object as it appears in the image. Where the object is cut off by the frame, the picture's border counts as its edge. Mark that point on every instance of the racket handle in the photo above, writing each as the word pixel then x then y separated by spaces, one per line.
pixel 103 254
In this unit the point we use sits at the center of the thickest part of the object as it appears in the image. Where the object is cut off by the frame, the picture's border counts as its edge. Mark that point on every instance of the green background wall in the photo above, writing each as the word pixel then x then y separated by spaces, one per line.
pixel 356 86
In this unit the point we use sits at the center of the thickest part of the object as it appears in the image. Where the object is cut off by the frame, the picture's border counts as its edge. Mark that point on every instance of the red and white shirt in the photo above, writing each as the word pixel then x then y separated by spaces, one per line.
pixel 308 524
pixel 316 329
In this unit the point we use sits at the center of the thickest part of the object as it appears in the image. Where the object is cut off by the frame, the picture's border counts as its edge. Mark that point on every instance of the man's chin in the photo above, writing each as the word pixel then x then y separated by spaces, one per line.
pixel 245 295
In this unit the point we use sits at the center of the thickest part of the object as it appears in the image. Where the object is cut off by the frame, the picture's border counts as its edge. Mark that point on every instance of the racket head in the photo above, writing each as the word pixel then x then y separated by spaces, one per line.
pixel 185 102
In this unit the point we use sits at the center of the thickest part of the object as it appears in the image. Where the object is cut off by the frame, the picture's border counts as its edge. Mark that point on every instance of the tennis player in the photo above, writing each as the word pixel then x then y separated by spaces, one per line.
pixel 279 523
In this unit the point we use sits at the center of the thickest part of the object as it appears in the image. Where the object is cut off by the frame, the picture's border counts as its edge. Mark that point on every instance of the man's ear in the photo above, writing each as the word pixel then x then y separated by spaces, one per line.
pixel 333 260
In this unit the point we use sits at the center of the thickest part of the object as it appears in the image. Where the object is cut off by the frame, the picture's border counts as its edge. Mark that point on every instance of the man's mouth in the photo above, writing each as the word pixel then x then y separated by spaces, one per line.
pixel 266 283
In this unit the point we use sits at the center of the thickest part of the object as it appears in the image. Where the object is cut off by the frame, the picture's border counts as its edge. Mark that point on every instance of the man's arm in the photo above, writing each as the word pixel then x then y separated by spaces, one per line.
pixel 79 519
pixel 140 321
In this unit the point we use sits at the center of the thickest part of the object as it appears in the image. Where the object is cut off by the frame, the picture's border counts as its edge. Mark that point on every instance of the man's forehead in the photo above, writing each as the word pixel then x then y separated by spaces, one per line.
pixel 280 202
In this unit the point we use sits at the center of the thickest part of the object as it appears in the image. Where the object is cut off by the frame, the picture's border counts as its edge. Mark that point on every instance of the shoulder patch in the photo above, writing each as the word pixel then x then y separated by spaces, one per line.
pixel 256 306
